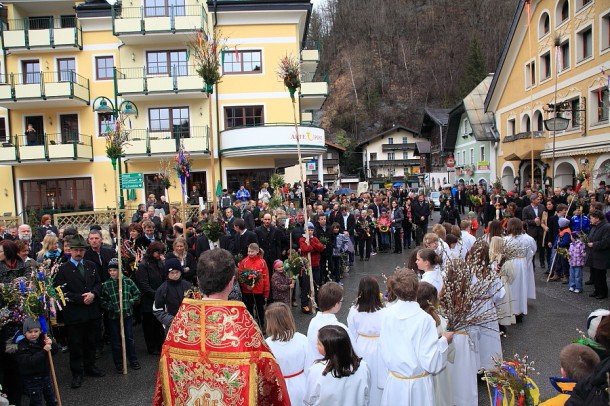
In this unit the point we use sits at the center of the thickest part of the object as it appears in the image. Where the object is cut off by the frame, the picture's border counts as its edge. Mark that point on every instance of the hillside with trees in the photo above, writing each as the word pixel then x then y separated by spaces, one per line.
pixel 388 59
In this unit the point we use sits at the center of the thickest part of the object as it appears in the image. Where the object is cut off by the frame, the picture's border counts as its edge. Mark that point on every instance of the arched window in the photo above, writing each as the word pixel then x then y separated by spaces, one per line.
pixel 544 25
pixel 538 119
pixel 526 125
pixel 562 12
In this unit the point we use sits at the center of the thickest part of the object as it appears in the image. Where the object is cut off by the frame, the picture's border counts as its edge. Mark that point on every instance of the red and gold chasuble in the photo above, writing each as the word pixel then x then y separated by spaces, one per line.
pixel 215 355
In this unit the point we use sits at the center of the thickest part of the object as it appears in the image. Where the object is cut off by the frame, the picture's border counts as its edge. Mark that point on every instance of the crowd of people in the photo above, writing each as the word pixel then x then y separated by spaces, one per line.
pixel 162 257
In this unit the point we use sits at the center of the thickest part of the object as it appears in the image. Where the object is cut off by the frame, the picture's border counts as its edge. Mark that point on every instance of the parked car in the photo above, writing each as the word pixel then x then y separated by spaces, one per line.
pixel 435 197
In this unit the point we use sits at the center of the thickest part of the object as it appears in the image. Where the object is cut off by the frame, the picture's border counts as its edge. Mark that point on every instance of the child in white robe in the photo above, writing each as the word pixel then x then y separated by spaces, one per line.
pixel 330 298
pixel 523 286
pixel 427 298
pixel 289 348
pixel 340 378
pixel 364 323
pixel 506 316
pixel 409 381
pixel 429 262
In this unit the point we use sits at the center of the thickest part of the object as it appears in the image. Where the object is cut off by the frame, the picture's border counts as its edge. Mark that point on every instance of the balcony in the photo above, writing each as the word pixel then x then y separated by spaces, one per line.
pixel 42 34
pixel 41 89
pixel 394 163
pixel 310 58
pixel 409 146
pixel 146 143
pixel 519 147
pixel 47 147
pixel 178 82
pixel 271 139
pixel 307 117
pixel 313 94
pixel 135 25
pixel 330 162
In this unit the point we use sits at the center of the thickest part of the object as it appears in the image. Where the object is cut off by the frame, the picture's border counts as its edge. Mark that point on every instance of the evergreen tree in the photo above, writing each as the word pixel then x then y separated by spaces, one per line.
pixel 475 70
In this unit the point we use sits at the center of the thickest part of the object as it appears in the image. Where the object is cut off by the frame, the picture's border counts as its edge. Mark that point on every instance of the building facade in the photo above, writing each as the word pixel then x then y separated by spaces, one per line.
pixel 389 157
pixel 554 65
pixel 60 56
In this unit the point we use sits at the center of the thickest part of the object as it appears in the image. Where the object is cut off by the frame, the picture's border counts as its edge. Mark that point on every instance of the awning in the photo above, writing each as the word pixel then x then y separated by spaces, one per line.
pixel 574 151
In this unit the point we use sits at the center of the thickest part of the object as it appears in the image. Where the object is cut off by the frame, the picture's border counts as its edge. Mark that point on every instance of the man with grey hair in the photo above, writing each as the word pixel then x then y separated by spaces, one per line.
pixel 224 339
pixel 24 233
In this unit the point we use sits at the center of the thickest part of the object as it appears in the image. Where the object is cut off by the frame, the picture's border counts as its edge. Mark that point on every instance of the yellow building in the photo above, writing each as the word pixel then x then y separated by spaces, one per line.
pixel 60 56
pixel 555 63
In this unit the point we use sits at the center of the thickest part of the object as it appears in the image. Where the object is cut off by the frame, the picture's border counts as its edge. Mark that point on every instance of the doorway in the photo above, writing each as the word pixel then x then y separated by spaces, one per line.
pixel 69 128
pixel 198 179
pixel 37 137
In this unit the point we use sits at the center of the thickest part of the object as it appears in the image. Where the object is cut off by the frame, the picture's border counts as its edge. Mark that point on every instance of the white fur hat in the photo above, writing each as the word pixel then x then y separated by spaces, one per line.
pixel 593 321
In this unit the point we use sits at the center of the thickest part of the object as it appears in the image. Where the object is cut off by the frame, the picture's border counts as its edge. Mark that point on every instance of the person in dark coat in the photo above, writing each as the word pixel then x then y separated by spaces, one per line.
pixel 532 216
pixel 45 227
pixel 269 240
pixel 149 276
pixel 148 236
pixel 421 214
pixel 248 217
pixel 170 294
pixel 598 254
pixel 449 213
pixel 242 237
pixel 81 285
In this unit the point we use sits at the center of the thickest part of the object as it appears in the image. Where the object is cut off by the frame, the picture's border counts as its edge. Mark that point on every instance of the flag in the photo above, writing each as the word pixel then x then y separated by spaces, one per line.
pixel 218 188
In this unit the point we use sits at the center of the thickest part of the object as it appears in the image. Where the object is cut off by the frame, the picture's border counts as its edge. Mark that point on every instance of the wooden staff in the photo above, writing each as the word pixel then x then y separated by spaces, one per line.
pixel 312 296
pixel 118 240
pixel 53 375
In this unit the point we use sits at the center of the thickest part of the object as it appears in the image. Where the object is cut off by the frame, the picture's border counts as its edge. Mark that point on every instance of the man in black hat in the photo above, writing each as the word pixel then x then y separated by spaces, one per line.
pixel 81 285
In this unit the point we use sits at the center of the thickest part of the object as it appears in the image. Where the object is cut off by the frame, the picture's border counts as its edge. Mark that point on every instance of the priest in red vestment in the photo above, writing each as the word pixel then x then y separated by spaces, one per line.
pixel 214 353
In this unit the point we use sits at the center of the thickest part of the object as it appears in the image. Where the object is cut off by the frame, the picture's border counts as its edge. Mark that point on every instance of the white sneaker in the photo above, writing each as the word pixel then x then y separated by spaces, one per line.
pixel 373 253
pixel 576 290
pixel 571 289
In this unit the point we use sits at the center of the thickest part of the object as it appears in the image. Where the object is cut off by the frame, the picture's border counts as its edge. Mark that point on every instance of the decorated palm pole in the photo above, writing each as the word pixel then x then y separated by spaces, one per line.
pixel 183 170
pixel 289 71
pixel 207 52
pixel 116 139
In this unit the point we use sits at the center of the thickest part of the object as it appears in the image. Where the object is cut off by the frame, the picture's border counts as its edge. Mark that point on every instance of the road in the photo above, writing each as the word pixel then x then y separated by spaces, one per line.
pixel 552 322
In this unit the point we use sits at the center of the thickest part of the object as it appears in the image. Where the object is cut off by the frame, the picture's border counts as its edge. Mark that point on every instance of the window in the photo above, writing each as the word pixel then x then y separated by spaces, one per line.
pixel 605 31
pixel 329 155
pixel 575 109
pixel 543 25
pixel 373 156
pixel 164 8
pixel 71 193
pixel 511 128
pixel 602 105
pixel 167 63
pixel 464 157
pixel 482 151
pixel 68 21
pixel 530 74
pixel 539 121
pixel 564 57
pixel 545 66
pixel 471 156
pixel 104 67
pixel 584 44
pixel 174 120
pixel 405 140
pixel 31 72
pixel 3 129
pixel 239 116
pixel 40 23
pixel 525 124
pixel 466 128
pixel 405 155
pixel 105 123
pixel 242 62
pixel 562 12
pixel 65 69
pixel 390 140
pixel 391 156
pixel 68 123
pixel 582 3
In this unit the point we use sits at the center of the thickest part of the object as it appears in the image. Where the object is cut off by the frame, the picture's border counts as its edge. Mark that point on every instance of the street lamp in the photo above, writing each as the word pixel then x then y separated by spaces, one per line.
pixel 555 124
pixel 104 105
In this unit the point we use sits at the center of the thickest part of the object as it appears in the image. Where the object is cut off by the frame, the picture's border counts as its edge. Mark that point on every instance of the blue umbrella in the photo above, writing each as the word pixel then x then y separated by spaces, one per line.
pixel 398 184
pixel 344 191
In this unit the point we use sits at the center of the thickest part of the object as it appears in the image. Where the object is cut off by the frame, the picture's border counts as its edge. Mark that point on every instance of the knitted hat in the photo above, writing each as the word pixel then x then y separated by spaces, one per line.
pixel 113 263
pixel 30 324
pixel 563 222
pixel 310 225
pixel 277 263
pixel 471 214
pixel 172 264
pixel 593 321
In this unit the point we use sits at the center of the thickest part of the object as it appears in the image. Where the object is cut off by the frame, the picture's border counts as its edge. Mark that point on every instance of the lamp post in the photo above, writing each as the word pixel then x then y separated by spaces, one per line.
pixel 126 109
pixel 555 124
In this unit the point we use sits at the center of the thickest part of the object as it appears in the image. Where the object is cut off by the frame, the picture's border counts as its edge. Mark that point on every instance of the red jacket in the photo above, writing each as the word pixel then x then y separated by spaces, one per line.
pixel 315 247
pixel 259 265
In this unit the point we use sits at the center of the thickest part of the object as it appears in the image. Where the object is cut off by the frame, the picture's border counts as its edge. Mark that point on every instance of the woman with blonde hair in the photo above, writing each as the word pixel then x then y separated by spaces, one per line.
pixel 50 249
pixel 289 348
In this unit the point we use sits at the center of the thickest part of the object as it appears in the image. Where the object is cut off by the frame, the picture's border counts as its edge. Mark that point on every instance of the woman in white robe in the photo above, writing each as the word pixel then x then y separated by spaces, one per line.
pixel 504 308
pixel 523 286
pixel 409 381
pixel 364 323
pixel 289 348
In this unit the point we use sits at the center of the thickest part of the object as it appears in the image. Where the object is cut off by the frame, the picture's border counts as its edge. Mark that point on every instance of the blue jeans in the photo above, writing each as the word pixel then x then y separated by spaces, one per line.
pixel 40 390
pixel 115 340
pixel 576 277
pixel 385 240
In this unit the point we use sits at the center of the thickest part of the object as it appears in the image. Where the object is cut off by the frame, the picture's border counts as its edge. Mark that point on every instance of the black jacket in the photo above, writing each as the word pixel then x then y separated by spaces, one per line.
pixel 241 242
pixel 420 210
pixel 190 266
pixel 270 241
pixel 168 299
pixel 598 255
pixel 73 285
pixel 450 215
pixel 32 358
pixel 328 233
pixel 248 219
pixel 149 276
pixel 592 390
pixel 101 260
